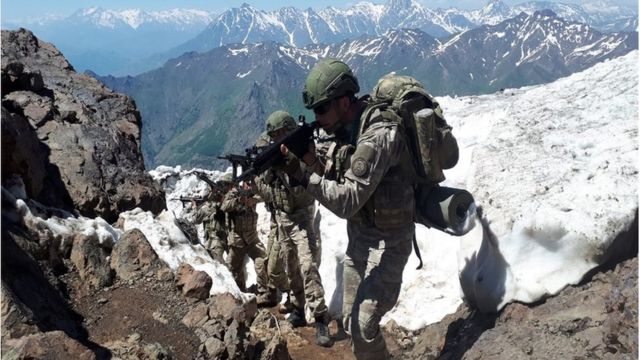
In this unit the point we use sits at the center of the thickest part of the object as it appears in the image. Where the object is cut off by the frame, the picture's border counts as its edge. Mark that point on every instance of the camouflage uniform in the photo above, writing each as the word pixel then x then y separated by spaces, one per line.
pixel 243 240
pixel 373 190
pixel 276 257
pixel 295 211
pixel 215 230
pixel 214 221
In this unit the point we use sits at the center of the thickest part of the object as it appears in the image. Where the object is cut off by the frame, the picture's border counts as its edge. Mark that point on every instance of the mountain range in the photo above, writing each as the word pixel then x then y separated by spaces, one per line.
pixel 108 41
pixel 192 105
pixel 134 41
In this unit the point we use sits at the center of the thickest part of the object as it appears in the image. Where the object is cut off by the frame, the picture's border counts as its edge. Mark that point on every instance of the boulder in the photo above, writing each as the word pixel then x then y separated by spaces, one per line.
pixel 133 258
pixel 89 134
pixel 276 349
pixel 49 345
pixel 91 261
pixel 222 324
pixel 194 284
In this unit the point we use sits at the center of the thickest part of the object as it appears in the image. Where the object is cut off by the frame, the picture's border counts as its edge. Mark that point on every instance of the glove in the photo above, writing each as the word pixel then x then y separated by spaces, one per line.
pixel 297 170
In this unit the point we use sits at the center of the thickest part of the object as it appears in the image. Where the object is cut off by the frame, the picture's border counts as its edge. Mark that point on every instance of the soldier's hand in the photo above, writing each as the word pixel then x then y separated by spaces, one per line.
pixel 284 150
pixel 309 158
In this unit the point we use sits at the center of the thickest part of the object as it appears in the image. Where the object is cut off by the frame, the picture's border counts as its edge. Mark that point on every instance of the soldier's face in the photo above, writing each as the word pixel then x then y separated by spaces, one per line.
pixel 330 114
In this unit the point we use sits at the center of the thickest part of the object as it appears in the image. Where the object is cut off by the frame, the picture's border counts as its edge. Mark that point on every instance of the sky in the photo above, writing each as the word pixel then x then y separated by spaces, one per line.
pixel 24 9
pixel 557 182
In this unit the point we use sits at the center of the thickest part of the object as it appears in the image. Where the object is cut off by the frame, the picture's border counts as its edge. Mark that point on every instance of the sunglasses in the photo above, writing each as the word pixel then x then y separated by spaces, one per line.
pixel 322 108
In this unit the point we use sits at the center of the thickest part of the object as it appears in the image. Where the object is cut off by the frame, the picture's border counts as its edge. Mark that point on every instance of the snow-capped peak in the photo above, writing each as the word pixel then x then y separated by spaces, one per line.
pixel 134 18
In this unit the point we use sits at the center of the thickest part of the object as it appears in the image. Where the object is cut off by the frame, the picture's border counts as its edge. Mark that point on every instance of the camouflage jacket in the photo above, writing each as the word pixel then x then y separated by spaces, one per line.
pixel 275 188
pixel 241 217
pixel 377 187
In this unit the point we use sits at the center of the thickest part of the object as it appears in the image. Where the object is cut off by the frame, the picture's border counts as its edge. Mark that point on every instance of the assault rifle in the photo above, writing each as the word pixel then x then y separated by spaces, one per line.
pixel 266 157
pixel 244 161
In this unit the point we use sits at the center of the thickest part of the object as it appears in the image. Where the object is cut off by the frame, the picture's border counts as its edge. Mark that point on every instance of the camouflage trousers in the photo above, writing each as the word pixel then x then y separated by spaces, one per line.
pixel 277 261
pixel 372 278
pixel 247 243
pixel 282 267
pixel 216 243
pixel 300 242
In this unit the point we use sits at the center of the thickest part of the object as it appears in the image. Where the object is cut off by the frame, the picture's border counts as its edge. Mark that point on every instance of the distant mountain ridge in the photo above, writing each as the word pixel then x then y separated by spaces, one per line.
pixel 193 103
pixel 295 27
pixel 133 41
pixel 108 41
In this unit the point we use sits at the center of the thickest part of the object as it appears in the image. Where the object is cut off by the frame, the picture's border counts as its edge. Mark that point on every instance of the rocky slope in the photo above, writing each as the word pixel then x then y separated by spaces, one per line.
pixel 74 142
pixel 102 302
pixel 73 296
pixel 597 319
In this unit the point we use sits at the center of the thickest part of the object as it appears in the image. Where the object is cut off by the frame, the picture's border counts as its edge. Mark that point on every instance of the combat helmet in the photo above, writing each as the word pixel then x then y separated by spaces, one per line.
pixel 327 80
pixel 226 178
pixel 278 120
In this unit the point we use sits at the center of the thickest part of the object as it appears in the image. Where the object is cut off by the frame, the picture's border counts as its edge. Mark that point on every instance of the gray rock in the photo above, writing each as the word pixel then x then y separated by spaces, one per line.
pixel 215 348
pixel 228 307
pixel 92 134
pixel 91 261
pixel 36 108
pixel 197 316
pixel 132 257
pixel 48 345
pixel 276 349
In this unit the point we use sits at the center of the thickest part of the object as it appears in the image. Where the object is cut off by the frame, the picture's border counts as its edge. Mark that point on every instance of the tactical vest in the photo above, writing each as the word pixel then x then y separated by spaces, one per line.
pixel 287 198
pixel 392 203
pixel 336 154
pixel 244 221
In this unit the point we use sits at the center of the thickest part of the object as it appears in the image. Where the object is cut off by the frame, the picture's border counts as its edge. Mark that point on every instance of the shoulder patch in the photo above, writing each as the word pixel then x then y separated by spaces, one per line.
pixel 360 167
pixel 362 159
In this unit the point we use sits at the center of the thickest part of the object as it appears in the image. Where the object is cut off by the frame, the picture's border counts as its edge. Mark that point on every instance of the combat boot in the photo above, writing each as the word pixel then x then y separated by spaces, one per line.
pixel 296 318
pixel 268 298
pixel 287 306
pixel 322 332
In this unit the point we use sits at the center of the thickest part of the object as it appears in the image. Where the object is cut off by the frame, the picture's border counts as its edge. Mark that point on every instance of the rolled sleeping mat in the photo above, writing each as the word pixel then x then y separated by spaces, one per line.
pixel 448 209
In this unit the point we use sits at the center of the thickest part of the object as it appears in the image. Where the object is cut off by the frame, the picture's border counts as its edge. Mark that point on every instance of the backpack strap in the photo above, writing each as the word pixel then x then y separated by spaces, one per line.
pixel 377 112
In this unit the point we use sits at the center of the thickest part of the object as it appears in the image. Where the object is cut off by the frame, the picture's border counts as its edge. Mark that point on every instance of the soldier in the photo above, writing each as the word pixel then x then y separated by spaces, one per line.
pixel 243 240
pixel 215 224
pixel 295 211
pixel 372 189
pixel 276 254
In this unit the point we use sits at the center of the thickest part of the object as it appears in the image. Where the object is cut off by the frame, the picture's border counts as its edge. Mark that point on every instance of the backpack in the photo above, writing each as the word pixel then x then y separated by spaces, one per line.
pixel 433 147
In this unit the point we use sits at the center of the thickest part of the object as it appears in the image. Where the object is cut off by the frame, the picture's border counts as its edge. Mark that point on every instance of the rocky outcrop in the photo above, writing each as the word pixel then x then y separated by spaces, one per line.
pixel 597 319
pixel 75 143
pixel 222 325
